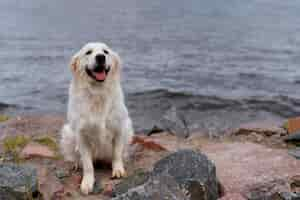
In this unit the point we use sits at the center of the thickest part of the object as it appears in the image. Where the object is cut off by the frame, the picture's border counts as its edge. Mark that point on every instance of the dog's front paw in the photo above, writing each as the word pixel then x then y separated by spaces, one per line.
pixel 118 171
pixel 87 184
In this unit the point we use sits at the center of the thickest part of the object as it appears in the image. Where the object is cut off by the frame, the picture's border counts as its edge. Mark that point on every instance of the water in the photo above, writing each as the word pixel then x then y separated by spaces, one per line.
pixel 218 63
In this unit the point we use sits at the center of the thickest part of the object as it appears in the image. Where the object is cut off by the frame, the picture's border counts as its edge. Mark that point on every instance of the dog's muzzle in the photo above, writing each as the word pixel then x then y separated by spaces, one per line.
pixel 100 70
pixel 99 73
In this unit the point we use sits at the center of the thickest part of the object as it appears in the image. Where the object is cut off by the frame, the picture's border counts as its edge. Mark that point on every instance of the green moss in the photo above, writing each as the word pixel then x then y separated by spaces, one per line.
pixel 47 141
pixel 14 143
pixel 3 118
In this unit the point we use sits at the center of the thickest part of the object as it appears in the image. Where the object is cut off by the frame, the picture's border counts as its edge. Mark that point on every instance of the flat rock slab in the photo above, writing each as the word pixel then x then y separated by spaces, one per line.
pixel 242 166
pixel 36 150
pixel 17 182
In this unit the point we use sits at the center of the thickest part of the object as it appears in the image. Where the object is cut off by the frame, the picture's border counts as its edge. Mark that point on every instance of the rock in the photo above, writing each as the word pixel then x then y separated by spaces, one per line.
pixel 233 196
pixel 32 125
pixel 108 190
pixel 37 150
pixel 295 183
pixel 293 125
pixel 175 123
pixel 62 173
pixel 147 143
pixel 18 182
pixel 290 196
pixel 295 152
pixel 293 138
pixel 242 166
pixel 272 190
pixel 49 186
pixel 156 187
pixel 97 189
pixel 193 171
pixel 188 170
pixel 138 178
pixel 172 122
pixel 264 128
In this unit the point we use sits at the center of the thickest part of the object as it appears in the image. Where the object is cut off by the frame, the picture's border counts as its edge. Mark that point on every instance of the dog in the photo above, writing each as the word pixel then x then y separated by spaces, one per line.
pixel 98 124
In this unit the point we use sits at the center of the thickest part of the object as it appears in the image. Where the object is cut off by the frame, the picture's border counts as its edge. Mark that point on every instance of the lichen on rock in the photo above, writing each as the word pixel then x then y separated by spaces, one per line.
pixel 18 182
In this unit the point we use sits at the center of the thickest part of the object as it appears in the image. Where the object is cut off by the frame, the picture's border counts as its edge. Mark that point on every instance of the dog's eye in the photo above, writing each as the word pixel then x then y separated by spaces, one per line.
pixel 88 52
pixel 105 51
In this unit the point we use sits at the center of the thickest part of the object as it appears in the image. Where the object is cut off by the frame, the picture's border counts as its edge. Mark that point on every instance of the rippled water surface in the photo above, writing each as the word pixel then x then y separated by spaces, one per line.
pixel 217 62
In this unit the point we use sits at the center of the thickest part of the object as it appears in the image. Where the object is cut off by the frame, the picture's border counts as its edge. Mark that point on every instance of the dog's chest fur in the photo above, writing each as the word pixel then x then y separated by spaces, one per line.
pixel 97 114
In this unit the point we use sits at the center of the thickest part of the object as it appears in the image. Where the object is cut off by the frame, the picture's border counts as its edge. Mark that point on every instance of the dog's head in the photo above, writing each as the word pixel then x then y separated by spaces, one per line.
pixel 95 62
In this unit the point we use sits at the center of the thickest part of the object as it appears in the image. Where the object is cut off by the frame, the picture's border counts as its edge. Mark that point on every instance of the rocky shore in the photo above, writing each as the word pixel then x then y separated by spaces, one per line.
pixel 254 161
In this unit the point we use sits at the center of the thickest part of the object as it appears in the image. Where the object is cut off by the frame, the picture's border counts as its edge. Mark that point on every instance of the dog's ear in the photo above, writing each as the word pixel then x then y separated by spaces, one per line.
pixel 117 60
pixel 116 69
pixel 74 63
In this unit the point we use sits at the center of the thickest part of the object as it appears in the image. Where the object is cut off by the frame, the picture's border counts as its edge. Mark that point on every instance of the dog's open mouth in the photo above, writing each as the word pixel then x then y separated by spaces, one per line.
pixel 98 75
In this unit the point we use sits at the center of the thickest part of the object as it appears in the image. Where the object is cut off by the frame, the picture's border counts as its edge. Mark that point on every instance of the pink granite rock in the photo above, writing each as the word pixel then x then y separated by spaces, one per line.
pixel 36 150
pixel 241 167
pixel 233 196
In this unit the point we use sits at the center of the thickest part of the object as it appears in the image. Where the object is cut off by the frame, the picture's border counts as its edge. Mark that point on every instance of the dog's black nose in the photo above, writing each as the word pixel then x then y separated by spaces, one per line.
pixel 100 59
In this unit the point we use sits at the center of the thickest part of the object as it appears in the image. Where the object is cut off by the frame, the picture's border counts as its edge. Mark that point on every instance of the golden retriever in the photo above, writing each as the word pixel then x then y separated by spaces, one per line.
pixel 98 124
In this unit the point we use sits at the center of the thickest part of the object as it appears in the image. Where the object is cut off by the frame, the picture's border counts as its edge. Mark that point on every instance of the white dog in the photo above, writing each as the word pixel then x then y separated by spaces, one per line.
pixel 98 124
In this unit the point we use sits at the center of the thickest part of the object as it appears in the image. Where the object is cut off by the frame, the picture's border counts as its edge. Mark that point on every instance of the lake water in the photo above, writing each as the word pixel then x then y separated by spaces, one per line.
pixel 218 63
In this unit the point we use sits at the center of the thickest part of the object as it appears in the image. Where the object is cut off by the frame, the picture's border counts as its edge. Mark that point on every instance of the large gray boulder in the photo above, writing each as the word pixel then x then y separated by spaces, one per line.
pixel 17 182
pixel 155 187
pixel 185 174
pixel 193 171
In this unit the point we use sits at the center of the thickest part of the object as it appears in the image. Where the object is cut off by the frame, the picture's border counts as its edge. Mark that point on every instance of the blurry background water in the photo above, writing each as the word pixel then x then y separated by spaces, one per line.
pixel 218 63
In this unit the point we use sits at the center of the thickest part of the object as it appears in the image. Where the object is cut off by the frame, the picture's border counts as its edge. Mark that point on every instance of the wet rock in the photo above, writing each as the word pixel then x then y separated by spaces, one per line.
pixel 295 152
pixel 264 128
pixel 18 182
pixel 175 123
pixel 156 187
pixel 290 196
pixel 172 122
pixel 193 171
pixel 293 138
pixel 37 150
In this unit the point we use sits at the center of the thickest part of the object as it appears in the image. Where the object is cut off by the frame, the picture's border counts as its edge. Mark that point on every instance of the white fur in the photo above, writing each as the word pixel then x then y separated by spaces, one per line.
pixel 98 124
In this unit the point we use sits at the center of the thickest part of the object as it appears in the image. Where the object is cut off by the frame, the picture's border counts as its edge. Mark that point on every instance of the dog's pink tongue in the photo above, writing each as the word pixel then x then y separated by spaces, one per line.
pixel 100 76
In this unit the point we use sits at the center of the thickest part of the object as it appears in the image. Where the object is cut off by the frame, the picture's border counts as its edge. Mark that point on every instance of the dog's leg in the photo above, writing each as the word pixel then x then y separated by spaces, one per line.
pixel 120 145
pixel 117 162
pixel 88 178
